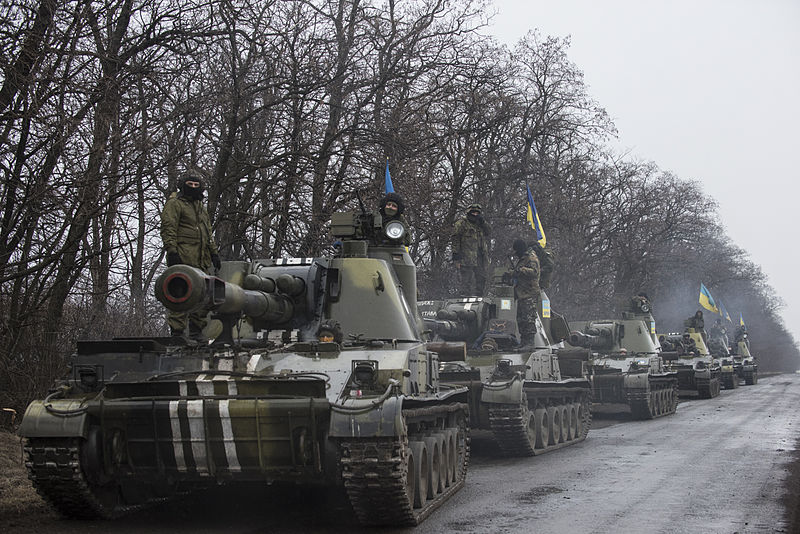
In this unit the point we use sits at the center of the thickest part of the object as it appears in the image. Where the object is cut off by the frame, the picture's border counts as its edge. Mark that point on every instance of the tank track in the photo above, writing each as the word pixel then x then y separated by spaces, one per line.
pixel 376 470
pixel 54 467
pixel 751 378
pixel 519 431
pixel 661 399
pixel 730 381
pixel 708 388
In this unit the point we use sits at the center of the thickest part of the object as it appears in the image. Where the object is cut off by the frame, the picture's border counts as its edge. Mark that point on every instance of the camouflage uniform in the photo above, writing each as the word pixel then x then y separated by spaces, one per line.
pixel 547 263
pixel 186 230
pixel 386 219
pixel 526 290
pixel 471 251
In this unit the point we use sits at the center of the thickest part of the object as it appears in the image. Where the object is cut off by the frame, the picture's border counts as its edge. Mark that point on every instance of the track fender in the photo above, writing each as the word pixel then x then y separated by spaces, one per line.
pixel 502 392
pixel 637 381
pixel 348 421
pixel 39 422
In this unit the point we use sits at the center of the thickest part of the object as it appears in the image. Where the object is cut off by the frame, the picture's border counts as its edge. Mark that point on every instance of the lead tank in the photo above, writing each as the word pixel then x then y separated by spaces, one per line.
pixel 699 374
pixel 626 365
pixel 137 420
pixel 531 399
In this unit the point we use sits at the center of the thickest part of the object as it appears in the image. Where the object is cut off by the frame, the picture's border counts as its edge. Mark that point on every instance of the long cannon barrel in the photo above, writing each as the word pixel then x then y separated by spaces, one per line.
pixel 590 341
pixel 182 288
pixel 449 330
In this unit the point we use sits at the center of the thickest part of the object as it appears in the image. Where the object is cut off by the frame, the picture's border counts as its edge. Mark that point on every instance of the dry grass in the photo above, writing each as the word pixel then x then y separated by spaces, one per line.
pixel 19 502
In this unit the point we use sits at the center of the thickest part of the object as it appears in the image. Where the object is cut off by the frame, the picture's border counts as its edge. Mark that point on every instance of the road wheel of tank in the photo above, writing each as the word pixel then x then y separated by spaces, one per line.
pixel 541 425
pixel 555 425
pixel 434 465
pixel 566 424
pixel 420 472
pixel 574 409
pixel 444 471
pixel 450 436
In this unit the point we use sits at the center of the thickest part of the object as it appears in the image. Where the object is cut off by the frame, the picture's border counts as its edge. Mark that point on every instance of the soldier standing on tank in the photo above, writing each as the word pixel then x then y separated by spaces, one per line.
pixel 470 241
pixel 391 209
pixel 547 264
pixel 526 290
pixel 188 240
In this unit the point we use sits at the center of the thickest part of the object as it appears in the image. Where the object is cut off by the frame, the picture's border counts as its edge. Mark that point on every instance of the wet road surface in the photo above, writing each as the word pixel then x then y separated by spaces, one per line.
pixel 716 466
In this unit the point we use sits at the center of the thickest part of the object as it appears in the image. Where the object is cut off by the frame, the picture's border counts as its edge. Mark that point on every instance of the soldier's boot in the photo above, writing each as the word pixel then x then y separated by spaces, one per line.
pixel 196 335
pixel 177 337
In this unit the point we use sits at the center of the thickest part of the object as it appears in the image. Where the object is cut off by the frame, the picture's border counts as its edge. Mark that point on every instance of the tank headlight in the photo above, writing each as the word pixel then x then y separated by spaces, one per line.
pixel 395 230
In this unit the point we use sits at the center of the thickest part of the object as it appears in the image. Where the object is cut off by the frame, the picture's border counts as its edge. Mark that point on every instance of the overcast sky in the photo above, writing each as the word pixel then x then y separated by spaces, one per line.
pixel 707 89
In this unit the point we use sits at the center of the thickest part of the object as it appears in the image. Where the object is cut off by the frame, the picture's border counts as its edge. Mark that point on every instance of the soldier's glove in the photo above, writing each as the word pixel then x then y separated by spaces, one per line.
pixel 173 258
pixel 217 263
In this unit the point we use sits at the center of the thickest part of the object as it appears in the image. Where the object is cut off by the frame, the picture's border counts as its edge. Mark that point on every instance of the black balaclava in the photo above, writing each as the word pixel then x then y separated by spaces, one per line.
pixel 397 199
pixel 193 193
pixel 519 247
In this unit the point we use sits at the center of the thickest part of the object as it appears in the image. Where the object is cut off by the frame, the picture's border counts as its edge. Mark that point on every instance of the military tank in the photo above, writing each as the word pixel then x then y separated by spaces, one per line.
pixel 318 375
pixel 718 347
pixel 530 398
pixel 626 366
pixel 699 374
pixel 745 364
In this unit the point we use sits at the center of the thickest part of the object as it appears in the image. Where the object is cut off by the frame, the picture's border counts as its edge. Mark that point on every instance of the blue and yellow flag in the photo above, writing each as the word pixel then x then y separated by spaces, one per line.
pixel 706 300
pixel 741 320
pixel 388 187
pixel 724 313
pixel 533 218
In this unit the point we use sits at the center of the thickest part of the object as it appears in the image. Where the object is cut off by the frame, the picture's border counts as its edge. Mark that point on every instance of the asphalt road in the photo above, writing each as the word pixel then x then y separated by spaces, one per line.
pixel 716 466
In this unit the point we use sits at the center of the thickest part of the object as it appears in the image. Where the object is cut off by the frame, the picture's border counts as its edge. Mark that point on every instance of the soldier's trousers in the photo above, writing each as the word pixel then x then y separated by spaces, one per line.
pixel 526 318
pixel 178 320
pixel 472 277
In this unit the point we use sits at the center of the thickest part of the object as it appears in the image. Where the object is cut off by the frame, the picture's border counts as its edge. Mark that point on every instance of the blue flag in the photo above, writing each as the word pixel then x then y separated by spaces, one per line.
pixel 706 300
pixel 388 187
pixel 533 218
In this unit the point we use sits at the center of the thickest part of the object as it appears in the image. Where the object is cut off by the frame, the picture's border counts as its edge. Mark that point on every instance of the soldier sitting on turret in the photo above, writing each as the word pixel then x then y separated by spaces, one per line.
pixel 698 324
pixel 641 304
pixel 391 208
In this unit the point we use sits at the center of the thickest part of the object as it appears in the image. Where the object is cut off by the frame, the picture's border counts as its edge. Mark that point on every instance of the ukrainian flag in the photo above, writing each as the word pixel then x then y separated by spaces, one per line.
pixel 723 312
pixel 741 320
pixel 533 218
pixel 388 187
pixel 706 300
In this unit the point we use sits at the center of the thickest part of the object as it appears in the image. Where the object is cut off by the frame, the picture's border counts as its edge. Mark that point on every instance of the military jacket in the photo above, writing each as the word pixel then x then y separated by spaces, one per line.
pixel 527 274
pixel 471 243
pixel 186 229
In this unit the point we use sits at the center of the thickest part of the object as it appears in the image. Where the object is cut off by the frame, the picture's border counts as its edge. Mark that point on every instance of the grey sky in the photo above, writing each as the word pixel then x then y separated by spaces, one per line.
pixel 708 89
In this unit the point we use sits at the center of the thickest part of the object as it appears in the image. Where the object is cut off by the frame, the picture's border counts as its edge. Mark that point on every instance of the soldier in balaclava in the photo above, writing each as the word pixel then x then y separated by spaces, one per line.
pixel 470 241
pixel 187 237
pixel 391 208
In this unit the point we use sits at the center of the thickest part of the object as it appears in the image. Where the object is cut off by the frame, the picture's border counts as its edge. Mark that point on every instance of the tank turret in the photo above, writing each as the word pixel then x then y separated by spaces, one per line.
pixel 529 397
pixel 627 368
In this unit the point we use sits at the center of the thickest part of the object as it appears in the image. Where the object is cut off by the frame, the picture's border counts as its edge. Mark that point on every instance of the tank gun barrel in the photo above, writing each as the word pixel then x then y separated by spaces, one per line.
pixel 182 288
pixel 600 340
pixel 448 330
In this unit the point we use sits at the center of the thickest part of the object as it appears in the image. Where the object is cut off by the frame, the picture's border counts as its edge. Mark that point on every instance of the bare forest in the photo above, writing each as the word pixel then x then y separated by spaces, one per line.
pixel 291 106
